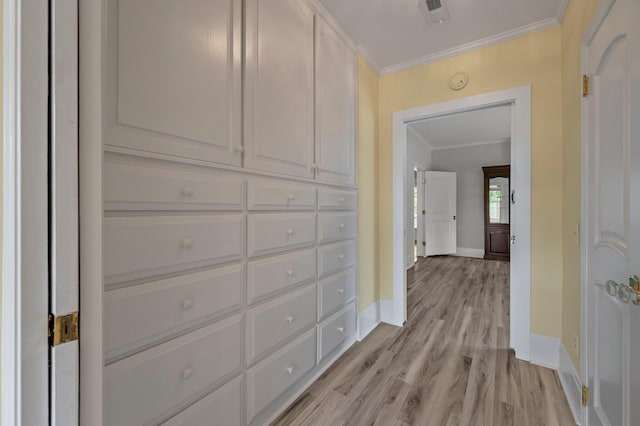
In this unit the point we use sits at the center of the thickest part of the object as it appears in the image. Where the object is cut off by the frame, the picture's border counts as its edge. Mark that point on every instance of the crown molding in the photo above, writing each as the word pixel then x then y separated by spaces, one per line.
pixel 562 9
pixel 329 19
pixel 467 47
pixel 415 133
pixel 364 54
pixel 466 145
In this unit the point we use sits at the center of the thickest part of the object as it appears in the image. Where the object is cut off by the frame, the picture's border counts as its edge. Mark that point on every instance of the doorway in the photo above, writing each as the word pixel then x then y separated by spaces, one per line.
pixel 519 99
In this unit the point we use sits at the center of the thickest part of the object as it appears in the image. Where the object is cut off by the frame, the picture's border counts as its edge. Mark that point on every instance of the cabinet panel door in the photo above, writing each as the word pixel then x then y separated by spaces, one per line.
pixel 279 87
pixel 335 118
pixel 174 78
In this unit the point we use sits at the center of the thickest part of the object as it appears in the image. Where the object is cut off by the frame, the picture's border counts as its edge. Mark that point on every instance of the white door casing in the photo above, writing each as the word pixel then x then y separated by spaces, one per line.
pixel 611 208
pixel 422 252
pixel 64 386
pixel 440 217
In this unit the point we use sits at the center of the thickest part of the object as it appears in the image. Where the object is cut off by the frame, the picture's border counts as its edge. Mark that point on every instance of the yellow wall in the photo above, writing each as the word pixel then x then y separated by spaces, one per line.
pixel 532 59
pixel 576 21
pixel 367 176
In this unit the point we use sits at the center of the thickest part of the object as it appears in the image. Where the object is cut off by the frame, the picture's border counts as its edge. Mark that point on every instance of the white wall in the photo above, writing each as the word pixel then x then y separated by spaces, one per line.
pixel 418 156
pixel 467 162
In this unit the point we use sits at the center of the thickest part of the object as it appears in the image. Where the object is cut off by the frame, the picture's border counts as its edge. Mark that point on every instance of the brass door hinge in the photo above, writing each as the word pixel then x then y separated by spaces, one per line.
pixel 424 212
pixel 586 85
pixel 585 396
pixel 424 243
pixel 63 329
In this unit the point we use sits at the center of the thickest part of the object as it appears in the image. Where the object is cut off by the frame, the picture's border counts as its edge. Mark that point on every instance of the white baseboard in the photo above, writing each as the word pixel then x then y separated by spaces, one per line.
pixel 470 252
pixel 571 384
pixel 386 312
pixel 545 351
pixel 368 320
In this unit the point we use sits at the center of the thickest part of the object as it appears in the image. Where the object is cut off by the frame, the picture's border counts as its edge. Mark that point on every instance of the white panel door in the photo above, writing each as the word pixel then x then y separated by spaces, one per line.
pixel 420 230
pixel 335 119
pixel 279 87
pixel 440 213
pixel 174 77
pixel 612 229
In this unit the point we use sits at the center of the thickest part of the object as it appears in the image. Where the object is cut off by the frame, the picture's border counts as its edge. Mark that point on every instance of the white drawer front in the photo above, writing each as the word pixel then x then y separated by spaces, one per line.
pixel 270 324
pixel 143 314
pixel 142 187
pixel 142 246
pixel 336 257
pixel 269 233
pixel 222 407
pixel 335 330
pixel 269 275
pixel 336 226
pixel 271 377
pixel 336 291
pixel 144 387
pixel 270 195
pixel 331 199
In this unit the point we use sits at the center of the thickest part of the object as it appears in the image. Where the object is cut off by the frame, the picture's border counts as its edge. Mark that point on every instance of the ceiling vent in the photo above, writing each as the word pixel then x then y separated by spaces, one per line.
pixel 435 11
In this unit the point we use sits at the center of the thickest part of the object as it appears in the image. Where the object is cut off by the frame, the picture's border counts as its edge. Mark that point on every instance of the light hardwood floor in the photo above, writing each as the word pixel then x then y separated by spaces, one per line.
pixel 450 365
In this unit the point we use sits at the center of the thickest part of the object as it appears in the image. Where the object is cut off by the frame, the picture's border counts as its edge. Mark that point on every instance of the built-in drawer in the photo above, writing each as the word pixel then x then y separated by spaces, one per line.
pixel 273 376
pixel 336 257
pixel 335 330
pixel 222 407
pixel 132 186
pixel 270 324
pixel 142 246
pixel 145 387
pixel 270 233
pixel 277 273
pixel 333 199
pixel 140 315
pixel 273 195
pixel 336 291
pixel 336 226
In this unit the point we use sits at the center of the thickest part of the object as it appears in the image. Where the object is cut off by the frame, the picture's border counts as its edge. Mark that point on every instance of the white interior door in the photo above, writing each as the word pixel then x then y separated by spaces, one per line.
pixel 420 235
pixel 440 214
pixel 612 201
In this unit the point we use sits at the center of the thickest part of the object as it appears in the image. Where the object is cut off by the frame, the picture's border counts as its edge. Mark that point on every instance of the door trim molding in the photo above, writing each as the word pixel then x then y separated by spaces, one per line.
pixel 25 263
pixel 520 97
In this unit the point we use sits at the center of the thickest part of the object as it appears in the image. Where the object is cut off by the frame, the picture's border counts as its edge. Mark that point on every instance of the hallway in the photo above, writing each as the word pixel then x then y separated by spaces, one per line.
pixel 450 364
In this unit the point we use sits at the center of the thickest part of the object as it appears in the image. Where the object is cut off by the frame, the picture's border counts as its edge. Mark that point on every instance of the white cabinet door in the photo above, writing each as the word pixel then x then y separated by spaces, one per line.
pixel 174 78
pixel 279 87
pixel 335 122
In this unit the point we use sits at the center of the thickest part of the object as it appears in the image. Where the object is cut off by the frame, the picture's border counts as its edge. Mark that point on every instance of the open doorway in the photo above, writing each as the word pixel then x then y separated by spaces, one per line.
pixel 516 104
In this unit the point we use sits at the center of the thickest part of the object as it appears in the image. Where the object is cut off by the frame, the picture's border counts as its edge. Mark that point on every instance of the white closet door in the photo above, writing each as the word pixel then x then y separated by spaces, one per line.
pixel 279 87
pixel 335 122
pixel 174 77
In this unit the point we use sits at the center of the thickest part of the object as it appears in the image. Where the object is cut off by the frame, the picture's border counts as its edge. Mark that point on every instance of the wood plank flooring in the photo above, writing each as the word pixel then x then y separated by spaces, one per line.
pixel 450 365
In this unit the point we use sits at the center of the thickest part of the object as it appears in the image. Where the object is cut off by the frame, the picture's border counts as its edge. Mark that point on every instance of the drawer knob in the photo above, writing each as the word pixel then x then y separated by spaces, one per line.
pixel 187 190
pixel 290 272
pixel 186 243
pixel 289 369
pixel 291 197
pixel 341 227
pixel 340 200
pixel 186 373
pixel 340 329
pixel 341 290
pixel 289 318
pixel 291 231
pixel 187 304
pixel 341 256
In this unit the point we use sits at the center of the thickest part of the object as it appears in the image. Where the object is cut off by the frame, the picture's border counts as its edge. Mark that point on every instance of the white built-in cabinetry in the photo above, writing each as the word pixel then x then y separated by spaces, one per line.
pixel 229 249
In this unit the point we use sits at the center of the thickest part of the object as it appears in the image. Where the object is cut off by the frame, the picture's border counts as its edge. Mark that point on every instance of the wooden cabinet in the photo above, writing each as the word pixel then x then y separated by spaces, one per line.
pixel 497 212
pixel 279 106
pixel 335 112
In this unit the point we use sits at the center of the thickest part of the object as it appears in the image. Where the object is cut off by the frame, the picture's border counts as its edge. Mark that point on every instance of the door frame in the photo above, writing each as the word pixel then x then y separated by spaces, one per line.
pixel 597 20
pixel 25 222
pixel 520 99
